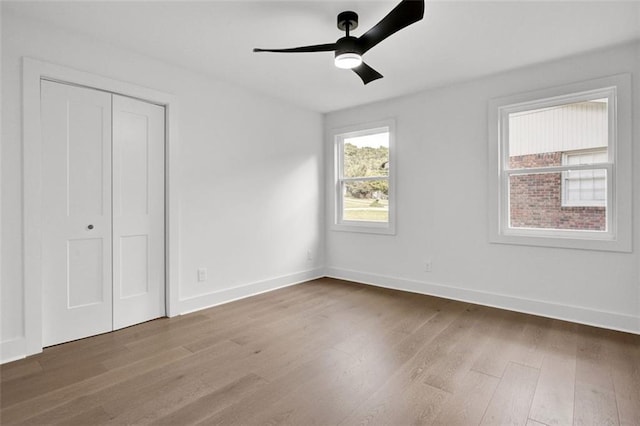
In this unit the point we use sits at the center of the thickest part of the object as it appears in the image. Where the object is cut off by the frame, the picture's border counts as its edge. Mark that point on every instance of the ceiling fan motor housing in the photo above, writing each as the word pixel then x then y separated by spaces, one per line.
pixel 347 45
pixel 347 20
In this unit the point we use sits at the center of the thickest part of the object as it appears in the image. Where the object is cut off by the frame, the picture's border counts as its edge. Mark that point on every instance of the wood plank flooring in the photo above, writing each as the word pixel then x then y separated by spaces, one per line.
pixel 330 352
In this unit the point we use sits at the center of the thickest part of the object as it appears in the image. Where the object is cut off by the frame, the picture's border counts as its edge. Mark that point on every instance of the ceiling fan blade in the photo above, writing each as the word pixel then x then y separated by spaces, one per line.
pixel 366 73
pixel 329 47
pixel 403 15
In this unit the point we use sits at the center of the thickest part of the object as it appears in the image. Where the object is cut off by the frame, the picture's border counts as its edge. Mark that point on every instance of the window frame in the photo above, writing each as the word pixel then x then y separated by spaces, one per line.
pixel 338 137
pixel 617 237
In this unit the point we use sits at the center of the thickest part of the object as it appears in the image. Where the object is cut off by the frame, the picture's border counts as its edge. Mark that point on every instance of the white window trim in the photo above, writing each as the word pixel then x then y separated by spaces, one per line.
pixel 619 171
pixel 337 136
pixel 563 192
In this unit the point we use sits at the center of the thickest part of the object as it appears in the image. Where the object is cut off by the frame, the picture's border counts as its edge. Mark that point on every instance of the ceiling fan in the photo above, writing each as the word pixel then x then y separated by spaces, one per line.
pixel 349 50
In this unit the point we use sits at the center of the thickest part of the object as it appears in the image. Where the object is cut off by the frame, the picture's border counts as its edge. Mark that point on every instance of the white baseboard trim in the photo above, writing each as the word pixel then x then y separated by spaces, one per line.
pixel 577 314
pixel 14 349
pixel 220 297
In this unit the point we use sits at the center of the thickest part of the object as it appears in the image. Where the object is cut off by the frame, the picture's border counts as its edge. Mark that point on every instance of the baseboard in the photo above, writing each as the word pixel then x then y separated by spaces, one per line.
pixel 15 349
pixel 220 297
pixel 11 350
pixel 577 314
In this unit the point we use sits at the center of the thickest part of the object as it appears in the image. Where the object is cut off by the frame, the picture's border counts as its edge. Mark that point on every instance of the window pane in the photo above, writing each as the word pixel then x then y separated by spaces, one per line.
pixel 536 201
pixel 366 156
pixel 366 201
pixel 584 187
pixel 539 137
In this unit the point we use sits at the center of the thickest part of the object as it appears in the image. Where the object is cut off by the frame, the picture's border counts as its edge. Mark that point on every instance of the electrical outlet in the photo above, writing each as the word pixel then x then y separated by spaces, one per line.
pixel 309 255
pixel 427 266
pixel 202 274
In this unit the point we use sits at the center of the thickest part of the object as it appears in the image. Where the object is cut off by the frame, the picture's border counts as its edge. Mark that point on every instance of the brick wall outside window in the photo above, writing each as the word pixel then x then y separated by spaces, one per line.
pixel 536 199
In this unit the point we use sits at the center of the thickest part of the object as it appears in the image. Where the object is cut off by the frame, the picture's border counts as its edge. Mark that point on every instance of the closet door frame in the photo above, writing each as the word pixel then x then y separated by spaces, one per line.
pixel 33 72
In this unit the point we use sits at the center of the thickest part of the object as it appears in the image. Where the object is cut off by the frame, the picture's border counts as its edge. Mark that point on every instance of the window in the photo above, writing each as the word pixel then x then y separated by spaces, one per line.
pixel 562 178
pixel 364 178
pixel 584 188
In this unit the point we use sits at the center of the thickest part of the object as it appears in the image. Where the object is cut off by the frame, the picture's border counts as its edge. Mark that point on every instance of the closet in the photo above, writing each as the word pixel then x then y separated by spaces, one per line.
pixel 102 211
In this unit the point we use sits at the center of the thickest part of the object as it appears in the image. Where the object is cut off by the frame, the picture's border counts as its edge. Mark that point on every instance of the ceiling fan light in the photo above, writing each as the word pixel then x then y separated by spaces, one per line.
pixel 348 60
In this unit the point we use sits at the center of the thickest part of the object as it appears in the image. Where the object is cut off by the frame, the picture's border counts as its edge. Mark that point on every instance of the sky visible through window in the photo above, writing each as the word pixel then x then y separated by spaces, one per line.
pixel 371 141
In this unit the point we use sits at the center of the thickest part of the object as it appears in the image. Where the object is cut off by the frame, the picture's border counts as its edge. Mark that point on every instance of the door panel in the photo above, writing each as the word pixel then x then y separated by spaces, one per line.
pixel 85 159
pixel 85 274
pixel 76 209
pixel 133 156
pixel 134 266
pixel 138 211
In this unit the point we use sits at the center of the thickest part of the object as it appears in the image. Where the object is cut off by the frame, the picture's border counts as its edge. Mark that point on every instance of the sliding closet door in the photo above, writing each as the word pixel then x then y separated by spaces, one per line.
pixel 76 212
pixel 138 211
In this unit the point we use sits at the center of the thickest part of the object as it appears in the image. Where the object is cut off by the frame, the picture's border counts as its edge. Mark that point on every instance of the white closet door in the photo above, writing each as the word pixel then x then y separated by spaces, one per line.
pixel 76 187
pixel 138 211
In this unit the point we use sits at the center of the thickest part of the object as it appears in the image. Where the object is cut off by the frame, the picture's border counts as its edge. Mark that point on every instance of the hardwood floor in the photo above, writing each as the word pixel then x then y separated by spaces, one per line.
pixel 330 352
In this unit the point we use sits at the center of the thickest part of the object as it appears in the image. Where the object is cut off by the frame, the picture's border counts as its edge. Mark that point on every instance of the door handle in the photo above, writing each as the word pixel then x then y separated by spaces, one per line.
pixel 90 227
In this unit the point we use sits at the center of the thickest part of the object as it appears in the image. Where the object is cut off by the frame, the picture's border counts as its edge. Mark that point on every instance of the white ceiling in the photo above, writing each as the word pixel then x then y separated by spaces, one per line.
pixel 456 41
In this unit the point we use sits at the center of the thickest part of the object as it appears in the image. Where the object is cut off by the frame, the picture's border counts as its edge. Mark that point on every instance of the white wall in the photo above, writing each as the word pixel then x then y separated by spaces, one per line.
pixel 251 174
pixel 442 211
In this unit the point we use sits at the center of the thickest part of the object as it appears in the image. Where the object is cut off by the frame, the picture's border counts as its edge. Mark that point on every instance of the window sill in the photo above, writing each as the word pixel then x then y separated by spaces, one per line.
pixel 571 240
pixel 365 228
